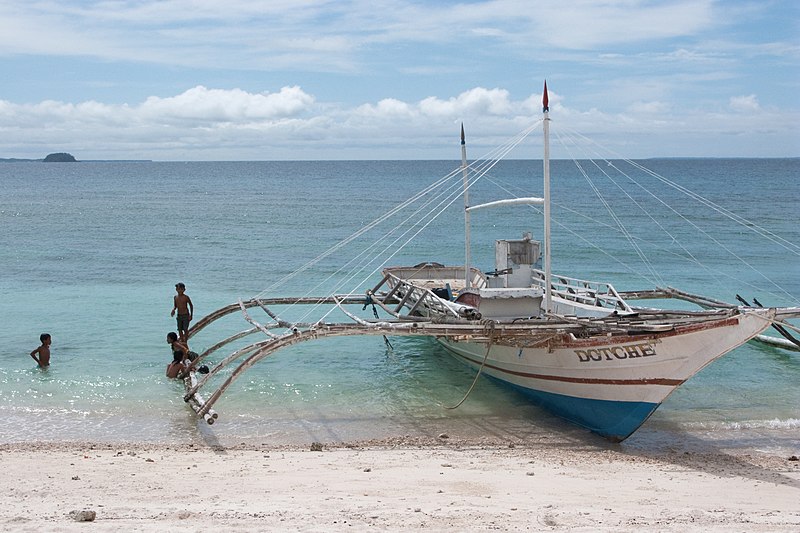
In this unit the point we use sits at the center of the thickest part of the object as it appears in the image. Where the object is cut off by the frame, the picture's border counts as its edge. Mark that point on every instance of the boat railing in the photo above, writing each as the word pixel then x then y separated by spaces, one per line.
pixel 592 293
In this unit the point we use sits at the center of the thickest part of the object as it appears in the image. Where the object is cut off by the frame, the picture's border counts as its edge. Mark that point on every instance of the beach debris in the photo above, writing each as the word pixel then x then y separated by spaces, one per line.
pixel 86 515
pixel 316 446
pixel 75 478
pixel 794 458
pixel 444 436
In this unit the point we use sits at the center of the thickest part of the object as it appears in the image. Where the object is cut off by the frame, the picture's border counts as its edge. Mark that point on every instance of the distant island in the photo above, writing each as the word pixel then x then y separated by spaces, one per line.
pixel 61 157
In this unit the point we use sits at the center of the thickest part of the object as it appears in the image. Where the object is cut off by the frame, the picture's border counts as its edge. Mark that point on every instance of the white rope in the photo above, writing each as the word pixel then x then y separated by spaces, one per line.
pixel 484 168
pixel 478 168
pixel 630 269
pixel 431 201
pixel 750 225
pixel 708 203
pixel 440 201
pixel 620 225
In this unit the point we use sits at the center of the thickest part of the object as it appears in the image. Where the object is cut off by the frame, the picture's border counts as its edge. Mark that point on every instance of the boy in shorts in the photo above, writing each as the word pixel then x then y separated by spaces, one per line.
pixel 183 305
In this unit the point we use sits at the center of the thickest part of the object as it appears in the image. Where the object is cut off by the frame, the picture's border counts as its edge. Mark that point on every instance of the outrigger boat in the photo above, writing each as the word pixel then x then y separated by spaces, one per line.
pixel 579 348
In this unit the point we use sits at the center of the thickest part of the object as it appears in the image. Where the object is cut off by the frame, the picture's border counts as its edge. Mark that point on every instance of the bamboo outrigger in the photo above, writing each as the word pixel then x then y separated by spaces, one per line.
pixel 520 333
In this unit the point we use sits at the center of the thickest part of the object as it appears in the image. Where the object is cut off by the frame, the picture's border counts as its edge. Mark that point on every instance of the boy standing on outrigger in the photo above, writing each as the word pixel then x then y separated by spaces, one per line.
pixel 183 304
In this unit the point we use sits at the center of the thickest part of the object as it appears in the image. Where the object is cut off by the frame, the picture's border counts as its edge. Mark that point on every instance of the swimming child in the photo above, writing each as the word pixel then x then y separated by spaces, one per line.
pixel 43 351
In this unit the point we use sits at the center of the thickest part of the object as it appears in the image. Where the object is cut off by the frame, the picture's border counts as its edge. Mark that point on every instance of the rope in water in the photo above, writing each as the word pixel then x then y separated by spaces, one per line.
pixel 490 323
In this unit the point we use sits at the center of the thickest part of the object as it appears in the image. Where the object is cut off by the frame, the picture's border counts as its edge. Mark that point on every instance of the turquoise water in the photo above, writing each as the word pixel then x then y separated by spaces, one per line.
pixel 90 253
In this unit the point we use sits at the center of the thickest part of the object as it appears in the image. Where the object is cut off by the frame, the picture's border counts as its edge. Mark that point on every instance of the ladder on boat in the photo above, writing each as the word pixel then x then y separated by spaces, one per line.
pixel 422 301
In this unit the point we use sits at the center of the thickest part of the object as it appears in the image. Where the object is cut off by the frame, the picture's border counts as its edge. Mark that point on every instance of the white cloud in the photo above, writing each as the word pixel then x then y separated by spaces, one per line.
pixel 744 103
pixel 232 124
pixel 473 102
pixel 388 107
pixel 202 105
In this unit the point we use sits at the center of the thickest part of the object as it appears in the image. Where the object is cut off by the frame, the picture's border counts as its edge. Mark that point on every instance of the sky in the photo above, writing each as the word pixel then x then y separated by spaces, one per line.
pixel 198 80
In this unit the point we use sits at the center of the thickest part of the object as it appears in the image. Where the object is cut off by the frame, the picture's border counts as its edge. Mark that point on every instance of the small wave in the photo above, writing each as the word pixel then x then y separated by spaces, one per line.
pixel 742 425
pixel 775 423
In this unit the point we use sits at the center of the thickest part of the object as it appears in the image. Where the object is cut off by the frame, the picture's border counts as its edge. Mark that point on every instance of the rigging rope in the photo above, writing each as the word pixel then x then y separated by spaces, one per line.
pixel 433 199
pixel 450 192
pixel 610 210
pixel 580 236
pixel 750 225
pixel 776 239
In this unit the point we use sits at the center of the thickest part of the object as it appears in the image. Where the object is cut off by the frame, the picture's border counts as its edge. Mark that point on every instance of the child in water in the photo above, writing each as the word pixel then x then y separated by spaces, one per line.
pixel 42 354
pixel 180 354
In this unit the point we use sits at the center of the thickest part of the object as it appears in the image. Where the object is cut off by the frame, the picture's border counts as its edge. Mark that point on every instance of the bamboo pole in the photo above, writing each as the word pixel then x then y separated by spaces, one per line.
pixel 778 343
pixel 386 308
pixel 225 341
pixel 231 308
pixel 196 402
pixel 379 285
pixel 517 333
pixel 222 364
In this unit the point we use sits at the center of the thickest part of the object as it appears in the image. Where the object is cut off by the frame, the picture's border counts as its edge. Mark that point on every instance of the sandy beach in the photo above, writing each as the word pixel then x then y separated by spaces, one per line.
pixel 442 484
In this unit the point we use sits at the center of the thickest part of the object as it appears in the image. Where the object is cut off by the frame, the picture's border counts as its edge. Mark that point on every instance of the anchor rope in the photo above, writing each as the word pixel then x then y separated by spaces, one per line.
pixel 490 323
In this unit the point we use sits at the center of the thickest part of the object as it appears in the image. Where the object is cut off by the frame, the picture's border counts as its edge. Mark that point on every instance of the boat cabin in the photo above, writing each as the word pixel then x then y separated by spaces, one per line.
pixel 509 291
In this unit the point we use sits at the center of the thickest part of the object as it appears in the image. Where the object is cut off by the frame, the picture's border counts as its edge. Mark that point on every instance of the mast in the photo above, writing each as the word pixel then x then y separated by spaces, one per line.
pixel 546 130
pixel 466 208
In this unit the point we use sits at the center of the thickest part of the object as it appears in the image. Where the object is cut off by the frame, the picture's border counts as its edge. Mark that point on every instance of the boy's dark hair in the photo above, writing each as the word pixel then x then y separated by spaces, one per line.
pixel 44 336
pixel 172 336
pixel 180 286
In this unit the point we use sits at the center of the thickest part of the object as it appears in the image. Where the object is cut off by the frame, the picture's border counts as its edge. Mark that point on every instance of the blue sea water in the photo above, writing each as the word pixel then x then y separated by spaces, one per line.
pixel 90 252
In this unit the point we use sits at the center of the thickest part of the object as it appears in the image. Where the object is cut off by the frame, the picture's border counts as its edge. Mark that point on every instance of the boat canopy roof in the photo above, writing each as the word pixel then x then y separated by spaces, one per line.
pixel 510 201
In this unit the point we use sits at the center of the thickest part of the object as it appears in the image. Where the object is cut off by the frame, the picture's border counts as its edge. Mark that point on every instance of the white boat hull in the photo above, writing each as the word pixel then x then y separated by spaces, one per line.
pixel 610 385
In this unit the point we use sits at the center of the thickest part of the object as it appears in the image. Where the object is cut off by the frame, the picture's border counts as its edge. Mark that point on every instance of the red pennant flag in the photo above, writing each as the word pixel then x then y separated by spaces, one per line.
pixel 545 99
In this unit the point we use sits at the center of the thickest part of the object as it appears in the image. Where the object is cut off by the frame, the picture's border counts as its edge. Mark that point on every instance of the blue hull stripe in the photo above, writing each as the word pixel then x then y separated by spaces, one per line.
pixel 616 420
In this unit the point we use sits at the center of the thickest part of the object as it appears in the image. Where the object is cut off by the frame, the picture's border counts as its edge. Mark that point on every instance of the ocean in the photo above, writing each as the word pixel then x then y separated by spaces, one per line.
pixel 90 252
